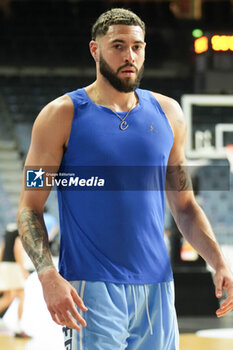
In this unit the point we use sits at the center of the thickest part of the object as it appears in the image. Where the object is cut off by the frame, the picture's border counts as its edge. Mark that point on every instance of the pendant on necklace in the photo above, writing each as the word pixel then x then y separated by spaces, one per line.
pixel 124 125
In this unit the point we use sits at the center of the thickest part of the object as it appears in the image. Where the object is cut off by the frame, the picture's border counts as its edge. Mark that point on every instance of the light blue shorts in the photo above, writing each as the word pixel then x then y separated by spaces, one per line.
pixel 125 316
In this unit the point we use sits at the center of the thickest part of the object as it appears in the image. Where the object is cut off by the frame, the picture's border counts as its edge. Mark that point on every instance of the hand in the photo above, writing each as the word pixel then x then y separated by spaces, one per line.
pixel 61 298
pixel 224 279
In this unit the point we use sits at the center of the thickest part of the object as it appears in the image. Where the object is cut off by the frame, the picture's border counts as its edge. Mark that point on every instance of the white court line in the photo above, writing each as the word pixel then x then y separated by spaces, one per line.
pixel 223 333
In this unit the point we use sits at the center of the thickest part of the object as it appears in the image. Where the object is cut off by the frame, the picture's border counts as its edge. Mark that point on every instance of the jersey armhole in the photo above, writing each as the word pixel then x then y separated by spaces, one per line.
pixel 163 113
pixel 74 113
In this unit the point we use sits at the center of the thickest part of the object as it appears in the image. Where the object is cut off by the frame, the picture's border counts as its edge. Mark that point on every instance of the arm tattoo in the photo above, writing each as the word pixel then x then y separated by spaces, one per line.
pixel 184 181
pixel 35 240
pixel 178 178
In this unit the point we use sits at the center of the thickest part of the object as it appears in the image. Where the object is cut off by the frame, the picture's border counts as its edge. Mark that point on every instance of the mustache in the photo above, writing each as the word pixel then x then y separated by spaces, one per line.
pixel 127 65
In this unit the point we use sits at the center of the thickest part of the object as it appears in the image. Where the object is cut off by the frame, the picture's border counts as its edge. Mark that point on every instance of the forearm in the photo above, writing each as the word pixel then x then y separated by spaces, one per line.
pixel 196 228
pixel 34 238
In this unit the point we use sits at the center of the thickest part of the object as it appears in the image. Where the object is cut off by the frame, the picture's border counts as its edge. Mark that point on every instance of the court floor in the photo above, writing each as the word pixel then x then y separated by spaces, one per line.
pixel 187 342
pixel 46 335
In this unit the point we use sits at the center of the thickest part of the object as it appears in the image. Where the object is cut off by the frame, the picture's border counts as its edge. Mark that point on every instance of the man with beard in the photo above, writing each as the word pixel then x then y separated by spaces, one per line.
pixel 113 257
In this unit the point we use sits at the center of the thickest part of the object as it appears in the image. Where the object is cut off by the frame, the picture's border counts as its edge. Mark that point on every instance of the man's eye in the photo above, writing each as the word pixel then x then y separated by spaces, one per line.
pixel 117 46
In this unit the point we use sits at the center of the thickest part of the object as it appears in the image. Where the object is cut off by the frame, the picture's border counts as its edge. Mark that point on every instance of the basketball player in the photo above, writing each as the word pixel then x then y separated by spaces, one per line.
pixel 114 265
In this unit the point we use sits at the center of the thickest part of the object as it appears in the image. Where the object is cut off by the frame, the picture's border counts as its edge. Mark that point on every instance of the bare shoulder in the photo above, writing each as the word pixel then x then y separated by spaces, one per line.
pixel 56 115
pixel 51 132
pixel 173 112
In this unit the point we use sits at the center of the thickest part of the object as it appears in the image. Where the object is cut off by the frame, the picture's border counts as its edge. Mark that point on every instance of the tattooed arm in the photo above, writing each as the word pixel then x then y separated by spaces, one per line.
pixel 35 240
pixel 49 139
pixel 190 218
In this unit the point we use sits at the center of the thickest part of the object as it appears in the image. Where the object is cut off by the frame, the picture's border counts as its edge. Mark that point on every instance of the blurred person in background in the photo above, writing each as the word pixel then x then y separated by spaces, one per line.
pixel 12 274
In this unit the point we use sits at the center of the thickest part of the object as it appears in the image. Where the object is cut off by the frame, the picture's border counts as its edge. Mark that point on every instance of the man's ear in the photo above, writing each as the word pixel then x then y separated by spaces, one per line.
pixel 93 45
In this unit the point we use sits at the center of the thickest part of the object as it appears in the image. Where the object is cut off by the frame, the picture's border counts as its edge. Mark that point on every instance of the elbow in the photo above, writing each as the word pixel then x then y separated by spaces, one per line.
pixel 185 213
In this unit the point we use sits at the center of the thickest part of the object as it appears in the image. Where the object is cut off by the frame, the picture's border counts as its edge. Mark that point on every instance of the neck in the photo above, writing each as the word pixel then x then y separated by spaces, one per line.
pixel 102 93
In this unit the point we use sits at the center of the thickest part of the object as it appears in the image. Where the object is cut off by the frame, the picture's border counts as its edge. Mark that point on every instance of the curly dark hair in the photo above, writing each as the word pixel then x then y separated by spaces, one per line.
pixel 115 16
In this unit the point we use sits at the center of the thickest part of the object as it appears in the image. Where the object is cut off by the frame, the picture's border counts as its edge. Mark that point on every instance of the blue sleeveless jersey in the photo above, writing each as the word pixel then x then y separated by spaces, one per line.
pixel 116 235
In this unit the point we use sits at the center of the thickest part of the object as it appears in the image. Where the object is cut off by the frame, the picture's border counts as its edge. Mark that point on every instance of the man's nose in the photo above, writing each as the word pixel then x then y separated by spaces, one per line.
pixel 129 56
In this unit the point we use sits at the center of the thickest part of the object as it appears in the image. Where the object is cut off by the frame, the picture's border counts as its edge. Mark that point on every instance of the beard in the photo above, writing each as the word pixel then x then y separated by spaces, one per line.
pixel 126 85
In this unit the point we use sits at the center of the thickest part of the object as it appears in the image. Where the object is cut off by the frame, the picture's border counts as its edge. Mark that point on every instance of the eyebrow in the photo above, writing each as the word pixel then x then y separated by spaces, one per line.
pixel 123 41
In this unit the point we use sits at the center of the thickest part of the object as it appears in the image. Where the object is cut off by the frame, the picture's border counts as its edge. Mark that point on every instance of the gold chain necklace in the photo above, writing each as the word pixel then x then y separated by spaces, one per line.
pixel 124 125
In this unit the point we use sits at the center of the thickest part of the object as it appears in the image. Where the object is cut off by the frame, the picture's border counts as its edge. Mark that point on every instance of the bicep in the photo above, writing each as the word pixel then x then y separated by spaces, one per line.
pixel 179 189
pixel 45 152
pixel 178 180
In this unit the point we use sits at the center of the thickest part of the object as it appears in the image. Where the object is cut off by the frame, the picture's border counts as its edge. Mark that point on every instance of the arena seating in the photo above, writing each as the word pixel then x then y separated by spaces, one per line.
pixel 57 33
pixel 7 210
